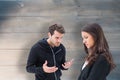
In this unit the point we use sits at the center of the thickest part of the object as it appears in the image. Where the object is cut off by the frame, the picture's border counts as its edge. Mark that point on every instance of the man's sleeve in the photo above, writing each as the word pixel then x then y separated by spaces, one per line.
pixel 32 61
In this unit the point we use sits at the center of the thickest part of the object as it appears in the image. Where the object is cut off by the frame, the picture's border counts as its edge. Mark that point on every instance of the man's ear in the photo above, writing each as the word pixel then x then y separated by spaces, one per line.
pixel 49 35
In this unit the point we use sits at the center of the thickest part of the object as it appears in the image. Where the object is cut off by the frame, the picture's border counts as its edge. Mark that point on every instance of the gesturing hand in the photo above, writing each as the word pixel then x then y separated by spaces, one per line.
pixel 49 69
pixel 67 64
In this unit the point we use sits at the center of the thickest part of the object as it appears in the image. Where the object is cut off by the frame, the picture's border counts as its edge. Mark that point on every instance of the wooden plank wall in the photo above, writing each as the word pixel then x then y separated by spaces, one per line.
pixel 24 22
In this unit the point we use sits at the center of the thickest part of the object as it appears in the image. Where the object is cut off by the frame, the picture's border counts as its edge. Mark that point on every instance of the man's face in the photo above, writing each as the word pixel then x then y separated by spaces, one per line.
pixel 56 38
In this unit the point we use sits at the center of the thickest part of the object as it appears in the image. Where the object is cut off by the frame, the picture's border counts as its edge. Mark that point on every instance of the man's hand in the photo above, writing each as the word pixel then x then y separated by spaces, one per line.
pixel 67 64
pixel 49 69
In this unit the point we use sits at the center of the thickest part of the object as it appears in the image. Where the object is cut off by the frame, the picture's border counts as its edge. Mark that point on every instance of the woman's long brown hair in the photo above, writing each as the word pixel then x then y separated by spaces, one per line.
pixel 100 46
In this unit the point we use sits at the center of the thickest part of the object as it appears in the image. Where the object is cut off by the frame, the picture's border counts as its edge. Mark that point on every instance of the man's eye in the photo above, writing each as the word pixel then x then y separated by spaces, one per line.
pixel 57 38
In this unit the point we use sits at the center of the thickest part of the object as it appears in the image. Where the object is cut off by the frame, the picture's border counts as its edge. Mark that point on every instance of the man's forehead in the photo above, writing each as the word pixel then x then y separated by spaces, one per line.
pixel 58 34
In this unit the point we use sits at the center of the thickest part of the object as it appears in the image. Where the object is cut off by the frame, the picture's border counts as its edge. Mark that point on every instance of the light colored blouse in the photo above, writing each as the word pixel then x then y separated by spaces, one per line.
pixel 84 65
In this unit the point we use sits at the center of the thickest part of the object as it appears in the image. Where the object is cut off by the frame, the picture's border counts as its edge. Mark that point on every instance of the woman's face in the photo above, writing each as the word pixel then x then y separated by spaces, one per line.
pixel 88 39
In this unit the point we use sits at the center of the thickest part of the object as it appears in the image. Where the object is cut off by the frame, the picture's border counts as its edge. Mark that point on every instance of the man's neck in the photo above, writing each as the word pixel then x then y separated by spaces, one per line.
pixel 49 42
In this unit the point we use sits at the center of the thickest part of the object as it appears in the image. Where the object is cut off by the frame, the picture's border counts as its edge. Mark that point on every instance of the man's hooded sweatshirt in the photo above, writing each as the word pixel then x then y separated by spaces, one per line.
pixel 41 52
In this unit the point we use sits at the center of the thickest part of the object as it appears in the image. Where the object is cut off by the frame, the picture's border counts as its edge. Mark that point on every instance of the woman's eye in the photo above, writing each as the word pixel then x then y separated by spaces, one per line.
pixel 86 37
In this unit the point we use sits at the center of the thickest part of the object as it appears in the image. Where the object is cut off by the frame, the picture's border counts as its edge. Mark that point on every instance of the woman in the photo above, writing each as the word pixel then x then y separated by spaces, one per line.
pixel 98 62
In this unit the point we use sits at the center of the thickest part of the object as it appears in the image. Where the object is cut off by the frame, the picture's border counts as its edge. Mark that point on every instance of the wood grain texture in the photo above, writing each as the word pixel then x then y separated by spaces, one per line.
pixel 24 22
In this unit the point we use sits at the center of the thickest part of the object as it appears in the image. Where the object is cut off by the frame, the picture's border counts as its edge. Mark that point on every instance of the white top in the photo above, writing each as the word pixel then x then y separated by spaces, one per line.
pixel 84 65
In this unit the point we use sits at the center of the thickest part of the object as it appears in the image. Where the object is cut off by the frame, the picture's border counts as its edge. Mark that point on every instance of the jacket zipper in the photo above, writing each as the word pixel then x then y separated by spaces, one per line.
pixel 55 60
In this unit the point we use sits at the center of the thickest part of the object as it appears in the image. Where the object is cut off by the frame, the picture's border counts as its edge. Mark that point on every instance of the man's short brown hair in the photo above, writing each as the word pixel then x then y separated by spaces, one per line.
pixel 56 27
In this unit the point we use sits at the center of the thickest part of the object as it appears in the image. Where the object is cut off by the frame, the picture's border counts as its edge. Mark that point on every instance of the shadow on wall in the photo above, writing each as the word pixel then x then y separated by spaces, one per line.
pixel 25 53
pixel 7 9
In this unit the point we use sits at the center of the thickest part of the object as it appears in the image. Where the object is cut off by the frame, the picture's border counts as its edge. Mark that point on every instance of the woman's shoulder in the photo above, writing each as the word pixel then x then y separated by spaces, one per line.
pixel 102 61
pixel 101 58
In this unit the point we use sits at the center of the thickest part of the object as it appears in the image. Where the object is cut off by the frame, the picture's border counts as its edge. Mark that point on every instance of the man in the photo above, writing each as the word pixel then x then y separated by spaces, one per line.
pixel 47 56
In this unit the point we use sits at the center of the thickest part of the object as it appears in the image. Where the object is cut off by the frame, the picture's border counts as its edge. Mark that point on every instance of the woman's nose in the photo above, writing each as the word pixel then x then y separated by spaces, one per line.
pixel 84 41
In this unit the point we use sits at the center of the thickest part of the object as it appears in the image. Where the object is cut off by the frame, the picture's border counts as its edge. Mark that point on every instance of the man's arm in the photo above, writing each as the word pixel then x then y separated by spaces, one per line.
pixel 32 61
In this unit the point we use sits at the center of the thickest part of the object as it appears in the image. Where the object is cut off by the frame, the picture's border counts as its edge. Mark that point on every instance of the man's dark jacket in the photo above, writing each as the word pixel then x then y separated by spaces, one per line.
pixel 41 52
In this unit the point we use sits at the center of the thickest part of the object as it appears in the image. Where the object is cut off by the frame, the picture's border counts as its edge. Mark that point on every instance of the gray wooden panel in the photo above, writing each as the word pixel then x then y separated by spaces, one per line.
pixel 71 24
pixel 24 22
pixel 26 40
pixel 18 40
pixel 98 5
pixel 22 40
pixel 14 73
pixel 48 8
pixel 13 57
pixel 33 24
pixel 35 8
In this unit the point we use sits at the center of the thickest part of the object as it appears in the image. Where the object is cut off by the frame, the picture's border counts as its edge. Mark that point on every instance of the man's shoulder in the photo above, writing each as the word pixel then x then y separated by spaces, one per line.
pixel 35 46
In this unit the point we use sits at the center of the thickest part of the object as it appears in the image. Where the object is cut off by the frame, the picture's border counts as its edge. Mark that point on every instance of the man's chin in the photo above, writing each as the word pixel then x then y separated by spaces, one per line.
pixel 57 45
